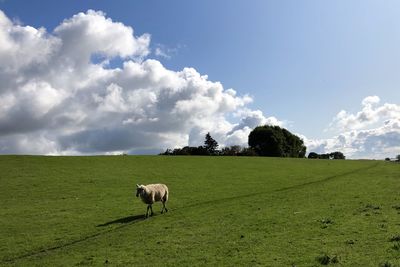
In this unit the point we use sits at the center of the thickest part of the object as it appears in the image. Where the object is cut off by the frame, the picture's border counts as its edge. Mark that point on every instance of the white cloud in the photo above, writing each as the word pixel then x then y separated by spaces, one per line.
pixel 371 100
pixel 87 33
pixel 370 115
pixel 23 46
pixel 373 132
pixel 54 99
pixel 163 51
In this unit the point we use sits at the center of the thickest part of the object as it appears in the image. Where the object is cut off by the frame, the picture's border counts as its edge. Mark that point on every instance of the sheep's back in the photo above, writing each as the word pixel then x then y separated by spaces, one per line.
pixel 160 190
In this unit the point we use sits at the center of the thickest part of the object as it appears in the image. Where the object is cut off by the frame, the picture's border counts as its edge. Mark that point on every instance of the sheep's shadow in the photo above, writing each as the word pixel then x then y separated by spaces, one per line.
pixel 124 220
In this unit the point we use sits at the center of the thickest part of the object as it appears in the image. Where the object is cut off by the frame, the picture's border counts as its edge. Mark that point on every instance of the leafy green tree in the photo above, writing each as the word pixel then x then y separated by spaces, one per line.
pixel 274 141
pixel 325 156
pixel 294 147
pixel 210 144
pixel 337 155
pixel 313 155
pixel 267 141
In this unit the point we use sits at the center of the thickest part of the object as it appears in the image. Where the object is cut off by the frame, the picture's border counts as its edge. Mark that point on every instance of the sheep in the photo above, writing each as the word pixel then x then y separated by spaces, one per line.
pixel 152 193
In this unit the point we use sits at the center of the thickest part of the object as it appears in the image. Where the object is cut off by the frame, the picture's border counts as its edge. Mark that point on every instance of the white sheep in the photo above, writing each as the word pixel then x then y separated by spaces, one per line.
pixel 152 193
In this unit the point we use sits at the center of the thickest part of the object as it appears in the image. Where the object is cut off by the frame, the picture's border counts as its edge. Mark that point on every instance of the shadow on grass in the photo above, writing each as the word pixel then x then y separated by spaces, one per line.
pixel 124 220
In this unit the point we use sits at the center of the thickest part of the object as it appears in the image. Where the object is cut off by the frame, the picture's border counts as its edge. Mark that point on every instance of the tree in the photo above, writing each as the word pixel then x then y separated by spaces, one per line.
pixel 210 144
pixel 266 141
pixel 274 141
pixel 337 155
pixel 230 151
pixel 238 151
pixel 398 158
pixel 313 155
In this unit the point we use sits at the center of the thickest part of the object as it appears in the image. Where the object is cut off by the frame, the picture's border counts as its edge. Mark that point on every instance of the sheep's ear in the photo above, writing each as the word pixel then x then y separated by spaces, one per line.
pixel 137 185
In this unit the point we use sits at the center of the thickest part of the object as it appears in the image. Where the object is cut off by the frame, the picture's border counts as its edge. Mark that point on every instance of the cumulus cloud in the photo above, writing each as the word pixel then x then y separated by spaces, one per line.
pixel 370 114
pixel 373 132
pixel 60 95
pixel 87 33
pixel 55 99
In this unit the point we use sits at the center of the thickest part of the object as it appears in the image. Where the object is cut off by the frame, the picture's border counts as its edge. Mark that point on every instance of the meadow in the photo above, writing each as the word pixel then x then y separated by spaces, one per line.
pixel 223 211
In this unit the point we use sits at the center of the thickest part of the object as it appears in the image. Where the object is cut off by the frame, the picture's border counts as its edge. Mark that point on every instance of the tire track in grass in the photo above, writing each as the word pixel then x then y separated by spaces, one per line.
pixel 128 221
pixel 283 189
pixel 327 178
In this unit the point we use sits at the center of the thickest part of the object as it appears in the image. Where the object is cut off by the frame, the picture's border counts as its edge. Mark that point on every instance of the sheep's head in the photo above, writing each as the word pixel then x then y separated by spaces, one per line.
pixel 139 190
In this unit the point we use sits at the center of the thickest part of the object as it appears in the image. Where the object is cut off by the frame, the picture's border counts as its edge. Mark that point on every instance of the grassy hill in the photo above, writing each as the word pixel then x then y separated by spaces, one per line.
pixel 71 211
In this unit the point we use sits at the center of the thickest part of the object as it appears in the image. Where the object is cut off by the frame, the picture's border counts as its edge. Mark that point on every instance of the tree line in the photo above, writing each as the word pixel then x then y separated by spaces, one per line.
pixel 210 148
pixel 333 155
pixel 267 140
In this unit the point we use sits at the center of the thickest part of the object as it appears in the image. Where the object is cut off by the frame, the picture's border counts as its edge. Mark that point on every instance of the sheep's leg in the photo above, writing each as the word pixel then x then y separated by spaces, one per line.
pixel 151 208
pixel 147 211
pixel 164 207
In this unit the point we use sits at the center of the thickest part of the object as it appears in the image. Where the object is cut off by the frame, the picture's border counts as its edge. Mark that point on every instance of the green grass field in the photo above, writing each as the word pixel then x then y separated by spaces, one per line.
pixel 223 211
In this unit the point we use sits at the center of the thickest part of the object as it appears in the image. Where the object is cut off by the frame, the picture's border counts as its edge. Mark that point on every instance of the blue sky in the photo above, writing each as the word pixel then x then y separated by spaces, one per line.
pixel 301 61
